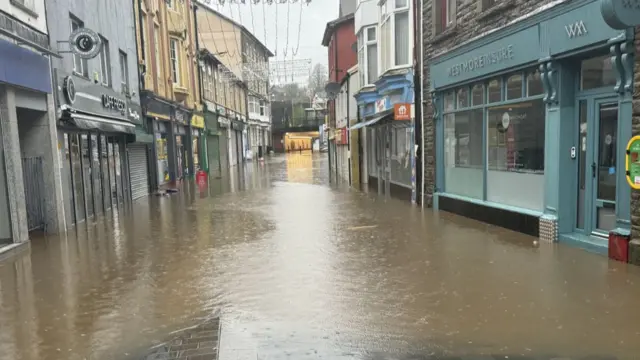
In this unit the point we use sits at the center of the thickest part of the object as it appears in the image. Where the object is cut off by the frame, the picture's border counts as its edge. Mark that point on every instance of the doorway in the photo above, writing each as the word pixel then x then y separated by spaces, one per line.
pixel 597 165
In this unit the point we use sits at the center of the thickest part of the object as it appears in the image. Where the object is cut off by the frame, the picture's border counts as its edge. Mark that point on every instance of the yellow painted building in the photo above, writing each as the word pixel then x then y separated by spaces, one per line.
pixel 170 91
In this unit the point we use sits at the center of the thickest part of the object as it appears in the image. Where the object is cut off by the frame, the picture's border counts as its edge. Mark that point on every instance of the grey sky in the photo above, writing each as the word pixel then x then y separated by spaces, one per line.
pixel 311 22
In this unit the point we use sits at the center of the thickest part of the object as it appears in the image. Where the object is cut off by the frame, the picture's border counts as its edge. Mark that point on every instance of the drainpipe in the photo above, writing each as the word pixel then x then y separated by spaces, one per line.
pixel 418 129
pixel 348 131
pixel 144 62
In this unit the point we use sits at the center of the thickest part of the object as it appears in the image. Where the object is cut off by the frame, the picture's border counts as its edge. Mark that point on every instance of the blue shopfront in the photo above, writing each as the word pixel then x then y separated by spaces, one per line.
pixel 532 121
pixel 389 139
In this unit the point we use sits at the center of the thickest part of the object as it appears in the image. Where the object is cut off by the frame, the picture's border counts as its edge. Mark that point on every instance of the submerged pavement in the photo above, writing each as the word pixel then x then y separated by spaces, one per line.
pixel 291 267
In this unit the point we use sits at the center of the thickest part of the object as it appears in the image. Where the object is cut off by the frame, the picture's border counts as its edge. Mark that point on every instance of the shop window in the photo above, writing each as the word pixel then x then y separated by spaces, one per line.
pixel 597 72
pixel 463 153
pixel 449 102
pixel 477 95
pixel 494 91
pixel 463 98
pixel 515 154
pixel 534 84
pixel 514 87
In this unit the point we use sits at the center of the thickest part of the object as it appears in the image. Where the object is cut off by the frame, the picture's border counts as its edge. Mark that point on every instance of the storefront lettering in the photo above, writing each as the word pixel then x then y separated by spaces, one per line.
pixel 479 62
pixel 112 102
pixel 576 29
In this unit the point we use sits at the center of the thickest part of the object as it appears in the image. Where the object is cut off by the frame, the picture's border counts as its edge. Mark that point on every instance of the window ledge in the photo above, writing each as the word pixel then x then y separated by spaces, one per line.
pixel 446 34
pixel 24 8
pixel 497 9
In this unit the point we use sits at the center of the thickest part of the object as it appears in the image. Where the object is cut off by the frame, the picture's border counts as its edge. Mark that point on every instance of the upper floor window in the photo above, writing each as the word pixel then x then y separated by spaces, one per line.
pixel 368 55
pixel 170 4
pixel 487 4
pixel 80 65
pixel 156 44
pixel 28 5
pixel 105 63
pixel 395 34
pixel 444 15
pixel 124 73
pixel 174 55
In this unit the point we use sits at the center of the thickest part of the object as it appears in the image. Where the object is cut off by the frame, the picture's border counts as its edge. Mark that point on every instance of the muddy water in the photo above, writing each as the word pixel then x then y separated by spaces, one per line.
pixel 298 269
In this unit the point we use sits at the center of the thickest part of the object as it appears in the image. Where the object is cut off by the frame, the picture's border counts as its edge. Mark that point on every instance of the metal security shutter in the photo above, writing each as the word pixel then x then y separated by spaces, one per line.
pixel 138 170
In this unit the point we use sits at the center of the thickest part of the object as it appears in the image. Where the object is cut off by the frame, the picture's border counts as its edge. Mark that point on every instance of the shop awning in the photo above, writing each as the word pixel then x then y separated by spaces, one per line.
pixel 376 118
pixel 89 122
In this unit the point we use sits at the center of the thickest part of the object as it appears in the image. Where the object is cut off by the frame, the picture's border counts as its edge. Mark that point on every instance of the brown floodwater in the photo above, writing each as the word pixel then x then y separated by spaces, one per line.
pixel 297 268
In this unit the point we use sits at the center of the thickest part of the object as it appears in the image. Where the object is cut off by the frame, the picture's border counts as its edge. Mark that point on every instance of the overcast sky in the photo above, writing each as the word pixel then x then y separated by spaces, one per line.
pixel 303 25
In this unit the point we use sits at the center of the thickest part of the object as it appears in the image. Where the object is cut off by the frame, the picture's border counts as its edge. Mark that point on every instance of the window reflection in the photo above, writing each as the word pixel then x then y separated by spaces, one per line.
pixel 516 137
pixel 534 84
pixel 494 91
pixel 597 72
pixel 514 87
pixel 463 98
pixel 477 94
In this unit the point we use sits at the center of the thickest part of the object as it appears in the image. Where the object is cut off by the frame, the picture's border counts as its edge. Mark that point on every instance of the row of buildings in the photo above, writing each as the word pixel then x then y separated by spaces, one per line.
pixel 104 102
pixel 520 113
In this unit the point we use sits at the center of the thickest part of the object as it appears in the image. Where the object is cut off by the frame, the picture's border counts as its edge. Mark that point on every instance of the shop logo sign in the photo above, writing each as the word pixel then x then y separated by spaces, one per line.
pixel 85 43
pixel 112 102
pixel 69 89
pixel 402 111
pixel 576 29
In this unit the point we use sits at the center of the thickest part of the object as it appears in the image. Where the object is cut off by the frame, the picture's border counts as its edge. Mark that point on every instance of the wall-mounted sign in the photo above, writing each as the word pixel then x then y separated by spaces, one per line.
pixel 402 111
pixel 621 14
pixel 197 121
pixel 381 105
pixel 576 29
pixel 69 89
pixel 112 102
pixel 493 57
pixel 85 43
pixel 632 163
pixel 179 116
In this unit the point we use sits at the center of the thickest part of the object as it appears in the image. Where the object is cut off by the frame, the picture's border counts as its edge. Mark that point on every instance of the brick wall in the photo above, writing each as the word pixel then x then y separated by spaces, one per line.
pixel 469 24
pixel 635 127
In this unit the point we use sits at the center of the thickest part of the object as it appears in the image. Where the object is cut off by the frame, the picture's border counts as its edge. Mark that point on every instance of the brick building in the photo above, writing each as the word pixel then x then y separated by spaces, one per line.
pixel 527 111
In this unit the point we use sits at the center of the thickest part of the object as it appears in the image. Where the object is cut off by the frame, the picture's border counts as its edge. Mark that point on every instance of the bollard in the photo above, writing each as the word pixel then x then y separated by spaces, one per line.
pixel 618 246
pixel 634 252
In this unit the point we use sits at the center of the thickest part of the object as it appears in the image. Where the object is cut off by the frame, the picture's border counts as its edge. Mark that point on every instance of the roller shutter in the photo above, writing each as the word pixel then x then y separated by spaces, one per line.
pixel 138 170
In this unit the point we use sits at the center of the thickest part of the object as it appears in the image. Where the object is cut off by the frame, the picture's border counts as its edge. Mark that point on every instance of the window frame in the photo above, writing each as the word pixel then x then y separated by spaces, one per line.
pixel 105 63
pixel 174 57
pixel 387 14
pixel 451 7
pixel 81 69
pixel 157 38
pixel 124 72
pixel 364 43
pixel 451 94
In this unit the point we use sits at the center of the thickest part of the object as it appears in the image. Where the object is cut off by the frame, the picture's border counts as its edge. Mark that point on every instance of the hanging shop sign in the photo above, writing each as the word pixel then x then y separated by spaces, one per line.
pixel 621 14
pixel 402 111
pixel 85 43
pixel 197 121
pixel 181 116
pixel 632 163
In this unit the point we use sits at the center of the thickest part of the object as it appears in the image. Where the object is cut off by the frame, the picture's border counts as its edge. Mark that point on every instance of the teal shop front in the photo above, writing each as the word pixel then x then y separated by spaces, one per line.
pixel 532 121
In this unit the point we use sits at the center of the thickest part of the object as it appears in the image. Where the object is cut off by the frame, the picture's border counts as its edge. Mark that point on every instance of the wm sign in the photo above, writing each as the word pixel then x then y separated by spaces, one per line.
pixel 576 29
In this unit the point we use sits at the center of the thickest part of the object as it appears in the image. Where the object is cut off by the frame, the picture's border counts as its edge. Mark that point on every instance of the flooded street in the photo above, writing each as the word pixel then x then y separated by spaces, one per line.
pixel 297 269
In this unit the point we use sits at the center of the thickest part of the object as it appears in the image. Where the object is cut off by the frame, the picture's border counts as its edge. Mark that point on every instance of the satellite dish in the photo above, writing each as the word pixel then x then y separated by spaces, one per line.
pixel 332 89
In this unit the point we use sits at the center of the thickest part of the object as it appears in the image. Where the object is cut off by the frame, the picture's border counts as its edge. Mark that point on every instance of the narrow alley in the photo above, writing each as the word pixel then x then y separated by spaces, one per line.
pixel 293 267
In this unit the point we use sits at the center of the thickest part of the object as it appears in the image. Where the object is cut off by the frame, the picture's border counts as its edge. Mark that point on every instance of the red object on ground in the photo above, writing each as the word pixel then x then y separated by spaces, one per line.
pixel 618 247
pixel 201 178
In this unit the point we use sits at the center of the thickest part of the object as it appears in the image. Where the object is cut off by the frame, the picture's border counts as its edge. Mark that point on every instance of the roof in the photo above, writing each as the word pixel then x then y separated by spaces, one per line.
pixel 244 29
pixel 331 27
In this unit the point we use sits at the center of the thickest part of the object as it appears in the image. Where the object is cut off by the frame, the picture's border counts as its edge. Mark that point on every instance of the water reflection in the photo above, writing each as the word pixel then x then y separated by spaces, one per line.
pixel 298 269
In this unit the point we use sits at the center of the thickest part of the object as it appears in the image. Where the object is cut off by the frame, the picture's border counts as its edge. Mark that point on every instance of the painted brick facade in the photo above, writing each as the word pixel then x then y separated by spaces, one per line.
pixel 470 22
